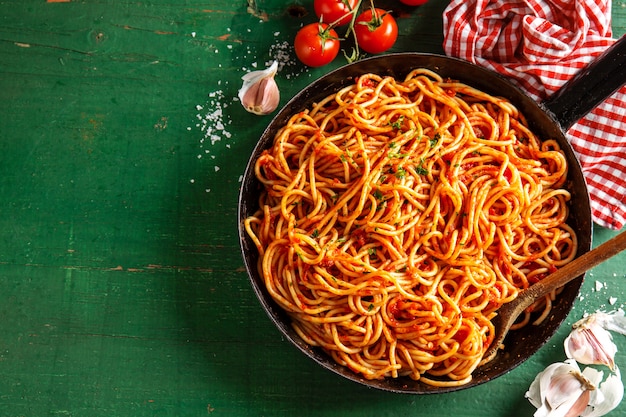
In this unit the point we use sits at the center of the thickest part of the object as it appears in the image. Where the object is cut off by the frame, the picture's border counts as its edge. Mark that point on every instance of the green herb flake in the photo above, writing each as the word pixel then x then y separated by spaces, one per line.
pixel 398 123
pixel 433 142
pixel 400 173
pixel 420 170
pixel 396 155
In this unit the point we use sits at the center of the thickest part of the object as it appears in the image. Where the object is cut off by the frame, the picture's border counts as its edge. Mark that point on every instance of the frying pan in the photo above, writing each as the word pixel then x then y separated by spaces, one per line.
pixel 549 120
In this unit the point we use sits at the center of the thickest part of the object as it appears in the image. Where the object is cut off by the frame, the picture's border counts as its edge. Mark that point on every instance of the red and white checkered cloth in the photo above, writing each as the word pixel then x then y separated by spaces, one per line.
pixel 539 45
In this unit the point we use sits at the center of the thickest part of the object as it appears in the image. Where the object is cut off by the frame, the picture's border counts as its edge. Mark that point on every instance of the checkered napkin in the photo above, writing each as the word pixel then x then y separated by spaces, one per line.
pixel 540 44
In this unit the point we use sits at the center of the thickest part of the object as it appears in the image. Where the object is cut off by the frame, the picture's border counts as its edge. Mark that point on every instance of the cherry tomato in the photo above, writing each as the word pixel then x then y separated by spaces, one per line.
pixel 316 44
pixel 335 10
pixel 414 2
pixel 376 30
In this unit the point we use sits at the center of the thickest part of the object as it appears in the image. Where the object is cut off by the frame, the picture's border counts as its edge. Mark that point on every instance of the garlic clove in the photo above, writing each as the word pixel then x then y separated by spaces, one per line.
pixel 566 388
pixel 561 390
pixel 259 93
pixel 590 343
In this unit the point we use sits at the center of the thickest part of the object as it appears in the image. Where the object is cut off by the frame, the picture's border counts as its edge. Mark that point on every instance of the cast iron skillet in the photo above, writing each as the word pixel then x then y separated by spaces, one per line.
pixel 549 120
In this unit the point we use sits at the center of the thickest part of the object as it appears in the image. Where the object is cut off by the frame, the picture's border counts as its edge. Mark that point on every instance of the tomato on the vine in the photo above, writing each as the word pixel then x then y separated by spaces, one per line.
pixel 331 11
pixel 316 44
pixel 376 30
pixel 414 2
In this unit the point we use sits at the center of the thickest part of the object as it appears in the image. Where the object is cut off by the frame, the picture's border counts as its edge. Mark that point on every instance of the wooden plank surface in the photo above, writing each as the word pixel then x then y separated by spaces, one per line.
pixel 122 290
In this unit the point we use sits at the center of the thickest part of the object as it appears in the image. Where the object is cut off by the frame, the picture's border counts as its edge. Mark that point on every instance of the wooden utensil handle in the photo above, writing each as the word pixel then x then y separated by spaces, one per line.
pixel 578 266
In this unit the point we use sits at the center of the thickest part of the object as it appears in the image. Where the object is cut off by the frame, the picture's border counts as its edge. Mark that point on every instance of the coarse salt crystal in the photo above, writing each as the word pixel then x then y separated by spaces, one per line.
pixel 599 285
pixel 612 300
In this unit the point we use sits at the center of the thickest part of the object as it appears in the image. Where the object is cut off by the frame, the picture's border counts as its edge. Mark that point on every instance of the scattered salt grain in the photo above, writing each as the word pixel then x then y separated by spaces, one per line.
pixel 212 122
pixel 282 52
pixel 599 285
pixel 193 34
pixel 612 300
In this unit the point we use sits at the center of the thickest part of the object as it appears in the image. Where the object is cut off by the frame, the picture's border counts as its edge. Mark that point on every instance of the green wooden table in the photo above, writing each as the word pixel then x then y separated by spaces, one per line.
pixel 122 290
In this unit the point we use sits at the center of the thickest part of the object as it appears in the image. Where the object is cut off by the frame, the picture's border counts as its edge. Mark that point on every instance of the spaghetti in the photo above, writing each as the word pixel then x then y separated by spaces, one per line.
pixel 397 216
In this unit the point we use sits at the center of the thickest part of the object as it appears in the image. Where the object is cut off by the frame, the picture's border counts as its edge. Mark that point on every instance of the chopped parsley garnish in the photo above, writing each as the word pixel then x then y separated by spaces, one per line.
pixel 397 155
pixel 420 170
pixel 433 142
pixel 398 123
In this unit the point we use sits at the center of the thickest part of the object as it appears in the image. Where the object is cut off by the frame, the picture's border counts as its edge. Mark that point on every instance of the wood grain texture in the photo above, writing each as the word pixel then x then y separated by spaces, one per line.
pixel 122 290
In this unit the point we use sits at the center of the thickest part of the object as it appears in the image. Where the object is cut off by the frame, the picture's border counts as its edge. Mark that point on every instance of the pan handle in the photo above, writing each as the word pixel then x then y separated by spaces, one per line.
pixel 590 86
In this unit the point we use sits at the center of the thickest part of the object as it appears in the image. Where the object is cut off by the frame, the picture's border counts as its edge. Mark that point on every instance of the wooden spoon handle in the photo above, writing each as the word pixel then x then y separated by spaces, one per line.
pixel 579 265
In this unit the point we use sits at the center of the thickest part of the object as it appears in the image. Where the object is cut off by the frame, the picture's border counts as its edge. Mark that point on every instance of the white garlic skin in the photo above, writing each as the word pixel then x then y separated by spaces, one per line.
pixel 259 93
pixel 591 341
pixel 559 390
pixel 562 390
pixel 590 344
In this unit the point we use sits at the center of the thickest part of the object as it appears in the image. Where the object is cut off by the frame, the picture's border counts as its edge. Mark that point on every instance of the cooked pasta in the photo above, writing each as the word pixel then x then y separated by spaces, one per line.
pixel 396 216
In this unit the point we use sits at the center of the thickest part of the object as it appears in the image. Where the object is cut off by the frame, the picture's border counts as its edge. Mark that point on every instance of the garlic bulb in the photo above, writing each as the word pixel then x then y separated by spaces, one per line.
pixel 259 93
pixel 590 341
pixel 562 390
